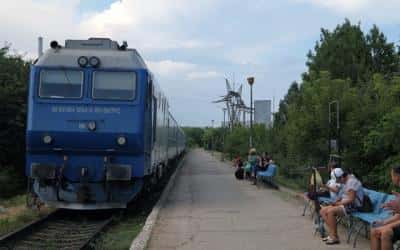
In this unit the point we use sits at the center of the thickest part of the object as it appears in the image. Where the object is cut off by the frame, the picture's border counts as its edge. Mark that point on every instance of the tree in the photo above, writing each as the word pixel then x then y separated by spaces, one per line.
pixel 384 58
pixel 344 53
pixel 14 73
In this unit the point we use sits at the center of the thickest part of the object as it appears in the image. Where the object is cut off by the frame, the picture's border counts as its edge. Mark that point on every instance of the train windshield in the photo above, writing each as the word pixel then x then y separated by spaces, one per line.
pixel 61 84
pixel 114 85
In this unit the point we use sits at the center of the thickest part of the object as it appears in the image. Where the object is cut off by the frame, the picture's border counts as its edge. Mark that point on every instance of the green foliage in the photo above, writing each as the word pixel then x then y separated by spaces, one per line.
pixel 357 70
pixel 11 224
pixel 194 136
pixel 11 181
pixel 237 142
pixel 14 73
pixel 349 54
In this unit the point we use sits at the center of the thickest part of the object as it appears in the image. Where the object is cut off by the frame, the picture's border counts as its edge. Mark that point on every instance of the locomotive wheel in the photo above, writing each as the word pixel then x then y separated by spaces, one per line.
pixel 32 201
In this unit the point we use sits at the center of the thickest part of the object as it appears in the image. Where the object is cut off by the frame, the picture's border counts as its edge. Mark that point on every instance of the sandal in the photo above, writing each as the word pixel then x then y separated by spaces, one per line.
pixel 331 241
pixel 326 238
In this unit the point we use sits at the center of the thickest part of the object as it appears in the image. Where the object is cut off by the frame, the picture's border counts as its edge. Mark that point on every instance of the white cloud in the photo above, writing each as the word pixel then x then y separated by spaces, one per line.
pixel 341 5
pixel 23 21
pixel 171 68
pixel 201 75
pixel 181 70
pixel 149 25
pixel 146 25
pixel 385 11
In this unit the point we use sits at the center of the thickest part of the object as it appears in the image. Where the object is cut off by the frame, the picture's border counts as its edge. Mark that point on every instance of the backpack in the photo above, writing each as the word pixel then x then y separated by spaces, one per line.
pixel 239 173
pixel 366 206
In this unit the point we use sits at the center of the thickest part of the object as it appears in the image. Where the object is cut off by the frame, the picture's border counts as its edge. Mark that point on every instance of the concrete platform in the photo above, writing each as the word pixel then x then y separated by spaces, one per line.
pixel 209 209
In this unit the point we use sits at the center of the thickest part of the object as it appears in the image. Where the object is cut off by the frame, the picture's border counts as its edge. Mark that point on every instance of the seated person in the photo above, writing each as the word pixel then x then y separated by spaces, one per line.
pixel 239 163
pixel 350 201
pixel 264 162
pixel 386 232
pixel 247 170
pixel 237 160
pixel 332 185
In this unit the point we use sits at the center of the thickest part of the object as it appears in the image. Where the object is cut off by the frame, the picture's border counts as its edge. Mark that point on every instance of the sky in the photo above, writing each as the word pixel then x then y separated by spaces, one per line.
pixel 192 45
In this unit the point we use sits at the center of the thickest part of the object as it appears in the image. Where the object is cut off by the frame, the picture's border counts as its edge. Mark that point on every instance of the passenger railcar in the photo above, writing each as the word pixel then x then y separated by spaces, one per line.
pixel 99 127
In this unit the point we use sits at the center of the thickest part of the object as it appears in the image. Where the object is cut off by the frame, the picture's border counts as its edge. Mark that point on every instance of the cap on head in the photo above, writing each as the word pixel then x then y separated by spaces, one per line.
pixel 338 172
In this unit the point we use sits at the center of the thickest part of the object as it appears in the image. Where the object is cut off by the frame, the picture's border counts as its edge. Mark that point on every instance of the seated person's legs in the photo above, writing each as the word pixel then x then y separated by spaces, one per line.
pixel 323 212
pixel 331 214
pixel 384 236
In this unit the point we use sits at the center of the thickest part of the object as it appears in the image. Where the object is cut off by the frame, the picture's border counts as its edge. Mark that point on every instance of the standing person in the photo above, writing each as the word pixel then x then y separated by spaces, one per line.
pixel 253 159
pixel 386 232
pixel 350 201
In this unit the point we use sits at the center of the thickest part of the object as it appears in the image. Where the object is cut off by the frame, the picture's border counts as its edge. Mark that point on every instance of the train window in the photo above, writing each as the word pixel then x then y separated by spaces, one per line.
pixel 61 84
pixel 114 85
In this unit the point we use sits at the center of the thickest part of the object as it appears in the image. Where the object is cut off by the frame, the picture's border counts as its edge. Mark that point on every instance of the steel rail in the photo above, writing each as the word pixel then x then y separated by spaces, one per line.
pixel 61 229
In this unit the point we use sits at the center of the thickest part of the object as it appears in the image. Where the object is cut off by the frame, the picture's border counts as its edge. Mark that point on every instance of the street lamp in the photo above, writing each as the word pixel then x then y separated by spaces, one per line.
pixel 250 80
pixel 212 137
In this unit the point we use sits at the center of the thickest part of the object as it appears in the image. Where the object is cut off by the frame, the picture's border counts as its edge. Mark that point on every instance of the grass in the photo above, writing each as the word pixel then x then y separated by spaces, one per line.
pixel 121 235
pixel 17 215
pixel 125 229
pixel 7 225
pixel 14 201
pixel 296 185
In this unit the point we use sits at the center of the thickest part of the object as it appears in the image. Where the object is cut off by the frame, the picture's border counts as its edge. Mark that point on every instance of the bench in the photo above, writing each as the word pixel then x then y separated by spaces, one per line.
pixel 268 175
pixel 362 220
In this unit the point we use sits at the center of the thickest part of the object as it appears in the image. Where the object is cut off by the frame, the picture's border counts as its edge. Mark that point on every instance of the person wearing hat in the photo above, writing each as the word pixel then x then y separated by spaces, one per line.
pixel 332 185
pixel 350 201
pixel 384 233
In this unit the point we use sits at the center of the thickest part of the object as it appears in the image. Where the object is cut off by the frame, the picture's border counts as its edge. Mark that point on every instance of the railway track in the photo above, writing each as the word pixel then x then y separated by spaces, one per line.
pixel 61 229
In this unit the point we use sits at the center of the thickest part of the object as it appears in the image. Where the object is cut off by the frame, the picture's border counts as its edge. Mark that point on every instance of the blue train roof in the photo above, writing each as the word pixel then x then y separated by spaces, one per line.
pixel 109 52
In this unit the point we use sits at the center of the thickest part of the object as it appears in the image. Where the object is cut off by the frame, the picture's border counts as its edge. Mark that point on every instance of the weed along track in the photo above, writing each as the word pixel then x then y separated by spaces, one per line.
pixel 89 229
pixel 60 230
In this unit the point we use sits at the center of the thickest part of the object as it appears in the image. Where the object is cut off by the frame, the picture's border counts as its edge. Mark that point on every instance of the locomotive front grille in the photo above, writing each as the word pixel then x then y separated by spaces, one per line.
pixel 43 171
pixel 119 172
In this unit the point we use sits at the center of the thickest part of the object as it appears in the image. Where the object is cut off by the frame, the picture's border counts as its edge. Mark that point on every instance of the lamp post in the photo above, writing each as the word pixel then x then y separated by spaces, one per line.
pixel 250 80
pixel 212 137
pixel 337 127
pixel 223 136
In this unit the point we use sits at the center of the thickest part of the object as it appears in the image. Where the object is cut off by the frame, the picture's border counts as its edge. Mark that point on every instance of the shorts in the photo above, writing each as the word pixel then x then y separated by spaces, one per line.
pixel 396 234
pixel 348 209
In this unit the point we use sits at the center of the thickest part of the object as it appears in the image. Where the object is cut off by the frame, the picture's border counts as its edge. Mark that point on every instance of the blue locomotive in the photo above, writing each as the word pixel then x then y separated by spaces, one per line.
pixel 99 128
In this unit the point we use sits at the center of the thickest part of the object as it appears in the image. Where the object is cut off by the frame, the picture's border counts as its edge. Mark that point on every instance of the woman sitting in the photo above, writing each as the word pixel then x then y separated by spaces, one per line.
pixel 385 232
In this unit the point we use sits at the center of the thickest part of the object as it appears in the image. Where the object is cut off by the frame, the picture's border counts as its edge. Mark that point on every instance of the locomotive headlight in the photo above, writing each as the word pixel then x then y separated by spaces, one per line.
pixel 83 61
pixel 91 126
pixel 47 139
pixel 94 61
pixel 121 140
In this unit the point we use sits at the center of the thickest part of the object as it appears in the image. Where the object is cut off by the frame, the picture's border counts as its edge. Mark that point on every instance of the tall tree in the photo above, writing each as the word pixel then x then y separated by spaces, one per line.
pixel 14 73
pixel 384 58
pixel 343 52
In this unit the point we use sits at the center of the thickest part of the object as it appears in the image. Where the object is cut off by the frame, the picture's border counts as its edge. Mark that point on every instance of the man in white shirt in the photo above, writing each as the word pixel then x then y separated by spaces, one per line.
pixel 350 201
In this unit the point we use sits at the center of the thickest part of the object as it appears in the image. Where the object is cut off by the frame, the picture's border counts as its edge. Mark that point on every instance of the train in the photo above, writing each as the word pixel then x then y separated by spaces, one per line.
pixel 99 127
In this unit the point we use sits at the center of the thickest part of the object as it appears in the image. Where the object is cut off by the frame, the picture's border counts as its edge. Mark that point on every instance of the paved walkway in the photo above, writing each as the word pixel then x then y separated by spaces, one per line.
pixel 209 209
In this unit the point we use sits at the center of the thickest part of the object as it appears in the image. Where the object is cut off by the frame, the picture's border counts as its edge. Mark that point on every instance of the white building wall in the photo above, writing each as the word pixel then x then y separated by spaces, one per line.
pixel 262 112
